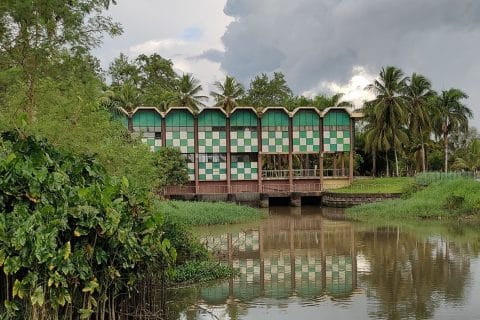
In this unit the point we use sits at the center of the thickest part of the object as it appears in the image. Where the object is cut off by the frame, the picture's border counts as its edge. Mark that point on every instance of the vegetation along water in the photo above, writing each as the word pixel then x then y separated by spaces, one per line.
pixel 86 234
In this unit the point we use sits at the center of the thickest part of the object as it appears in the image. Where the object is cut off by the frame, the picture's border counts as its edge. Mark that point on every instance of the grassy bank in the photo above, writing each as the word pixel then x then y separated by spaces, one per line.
pixel 377 185
pixel 208 213
pixel 442 199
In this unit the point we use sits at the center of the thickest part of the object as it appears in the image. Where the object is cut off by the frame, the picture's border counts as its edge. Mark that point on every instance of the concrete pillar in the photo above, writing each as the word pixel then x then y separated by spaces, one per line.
pixel 320 155
pixel 232 197
pixel 295 199
pixel 342 161
pixel 352 150
pixel 335 164
pixel 164 132
pixel 290 151
pixel 259 161
pixel 195 134
pixel 227 129
pixel 264 200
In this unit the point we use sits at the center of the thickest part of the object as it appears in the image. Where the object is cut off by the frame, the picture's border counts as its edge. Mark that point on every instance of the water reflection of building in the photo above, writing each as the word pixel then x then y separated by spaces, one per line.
pixel 308 257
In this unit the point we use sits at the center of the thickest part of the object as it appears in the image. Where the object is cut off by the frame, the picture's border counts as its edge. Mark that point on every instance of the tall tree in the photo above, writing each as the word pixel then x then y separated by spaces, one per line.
pixel 390 109
pixel 128 98
pixel 451 115
pixel 188 93
pixel 227 93
pixel 418 94
pixel 33 32
pixel 264 92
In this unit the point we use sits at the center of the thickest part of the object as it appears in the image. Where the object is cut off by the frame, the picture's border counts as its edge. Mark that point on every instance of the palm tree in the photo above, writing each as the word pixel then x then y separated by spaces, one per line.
pixel 127 98
pixel 188 93
pixel 228 93
pixel 417 95
pixel 389 109
pixel 471 160
pixel 451 115
pixel 323 102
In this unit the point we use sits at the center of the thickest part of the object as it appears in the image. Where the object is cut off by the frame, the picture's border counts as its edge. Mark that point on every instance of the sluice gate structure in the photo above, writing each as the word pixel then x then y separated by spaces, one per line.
pixel 252 156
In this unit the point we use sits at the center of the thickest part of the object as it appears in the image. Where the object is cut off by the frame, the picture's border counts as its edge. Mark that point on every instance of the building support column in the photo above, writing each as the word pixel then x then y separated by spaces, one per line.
pixel 259 154
pixel 164 131
pixel 352 150
pixel 342 161
pixel 227 128
pixel 335 164
pixel 290 155
pixel 195 135
pixel 320 155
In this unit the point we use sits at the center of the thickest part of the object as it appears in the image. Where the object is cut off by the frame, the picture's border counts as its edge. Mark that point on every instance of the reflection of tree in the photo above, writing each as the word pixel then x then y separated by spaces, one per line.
pixel 409 277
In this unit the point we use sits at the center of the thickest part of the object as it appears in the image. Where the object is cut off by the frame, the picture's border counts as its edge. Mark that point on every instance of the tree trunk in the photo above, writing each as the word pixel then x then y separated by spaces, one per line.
pixel 396 161
pixel 445 145
pixel 424 167
pixel 374 163
pixel 388 169
pixel 130 123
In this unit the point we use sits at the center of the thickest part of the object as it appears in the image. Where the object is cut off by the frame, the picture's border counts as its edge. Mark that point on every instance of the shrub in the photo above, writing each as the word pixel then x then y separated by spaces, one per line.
pixel 71 238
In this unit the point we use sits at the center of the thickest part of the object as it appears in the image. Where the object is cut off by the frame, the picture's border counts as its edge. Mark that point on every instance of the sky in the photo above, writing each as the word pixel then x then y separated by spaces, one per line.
pixel 322 46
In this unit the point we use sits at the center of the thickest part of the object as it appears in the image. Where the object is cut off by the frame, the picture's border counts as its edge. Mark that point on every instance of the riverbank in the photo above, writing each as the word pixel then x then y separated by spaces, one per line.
pixel 389 185
pixel 200 213
pixel 194 264
pixel 446 199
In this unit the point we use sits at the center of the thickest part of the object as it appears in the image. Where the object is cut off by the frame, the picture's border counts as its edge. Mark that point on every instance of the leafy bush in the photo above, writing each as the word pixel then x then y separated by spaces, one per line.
pixel 71 238
pixel 201 271
pixel 454 202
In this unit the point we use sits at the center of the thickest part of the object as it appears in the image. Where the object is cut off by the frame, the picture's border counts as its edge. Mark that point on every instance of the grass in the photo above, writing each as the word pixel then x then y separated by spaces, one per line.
pixel 442 199
pixel 377 185
pixel 208 213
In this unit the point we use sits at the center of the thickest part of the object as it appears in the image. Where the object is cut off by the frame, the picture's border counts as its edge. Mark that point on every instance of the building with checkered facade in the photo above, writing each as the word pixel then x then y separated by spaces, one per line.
pixel 250 151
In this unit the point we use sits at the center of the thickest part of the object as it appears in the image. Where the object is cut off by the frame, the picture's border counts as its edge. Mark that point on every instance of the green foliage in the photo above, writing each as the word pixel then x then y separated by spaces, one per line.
pixel 201 271
pixel 228 93
pixel 186 244
pixel 171 167
pixel 376 185
pixel 208 213
pixel 440 199
pixel 71 238
pixel 264 92
pixel 426 178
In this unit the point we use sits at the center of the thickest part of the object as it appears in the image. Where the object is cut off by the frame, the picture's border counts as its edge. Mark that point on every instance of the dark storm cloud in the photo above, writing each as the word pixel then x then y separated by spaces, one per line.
pixel 321 40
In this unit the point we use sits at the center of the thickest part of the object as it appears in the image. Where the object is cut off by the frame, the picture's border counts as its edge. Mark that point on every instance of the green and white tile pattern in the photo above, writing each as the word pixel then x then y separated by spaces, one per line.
pixel 185 140
pixel 244 170
pixel 212 141
pixel 275 141
pixel 338 271
pixel 308 268
pixel 246 241
pixel 277 268
pixel 244 141
pixel 154 144
pixel 249 270
pixel 306 141
pixel 212 171
pixel 191 171
pixel 336 141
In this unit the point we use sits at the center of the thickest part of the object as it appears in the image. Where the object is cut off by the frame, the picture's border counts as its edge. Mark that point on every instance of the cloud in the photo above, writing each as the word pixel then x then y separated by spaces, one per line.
pixel 210 54
pixel 319 43
pixel 353 90
pixel 152 46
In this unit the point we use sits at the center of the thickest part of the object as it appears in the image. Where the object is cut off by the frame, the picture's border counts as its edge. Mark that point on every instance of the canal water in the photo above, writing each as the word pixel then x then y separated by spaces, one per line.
pixel 309 263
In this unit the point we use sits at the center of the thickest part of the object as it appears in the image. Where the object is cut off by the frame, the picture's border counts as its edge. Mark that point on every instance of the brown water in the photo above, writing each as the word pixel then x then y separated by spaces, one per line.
pixel 298 264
